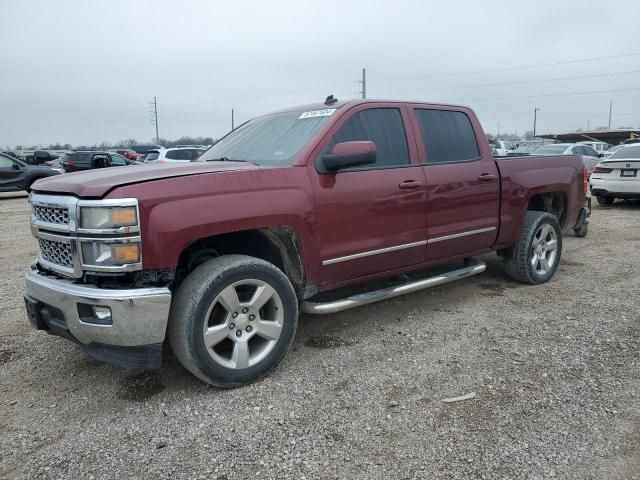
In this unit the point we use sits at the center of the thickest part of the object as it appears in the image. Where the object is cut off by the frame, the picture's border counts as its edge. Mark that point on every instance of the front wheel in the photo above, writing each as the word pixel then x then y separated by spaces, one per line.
pixel 233 319
pixel 535 257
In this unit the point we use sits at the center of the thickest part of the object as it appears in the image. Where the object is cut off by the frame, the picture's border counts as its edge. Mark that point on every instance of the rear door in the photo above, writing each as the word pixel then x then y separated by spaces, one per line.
pixel 463 184
pixel 370 219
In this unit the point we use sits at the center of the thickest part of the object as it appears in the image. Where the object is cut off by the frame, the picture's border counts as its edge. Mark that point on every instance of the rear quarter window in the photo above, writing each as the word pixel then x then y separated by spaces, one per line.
pixel 448 136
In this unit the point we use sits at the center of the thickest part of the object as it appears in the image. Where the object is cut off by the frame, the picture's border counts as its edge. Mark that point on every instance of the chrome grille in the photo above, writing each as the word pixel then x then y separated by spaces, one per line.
pixel 57 215
pixel 56 252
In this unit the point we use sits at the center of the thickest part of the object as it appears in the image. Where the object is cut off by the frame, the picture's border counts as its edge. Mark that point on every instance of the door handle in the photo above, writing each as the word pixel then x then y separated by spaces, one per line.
pixel 409 185
pixel 486 177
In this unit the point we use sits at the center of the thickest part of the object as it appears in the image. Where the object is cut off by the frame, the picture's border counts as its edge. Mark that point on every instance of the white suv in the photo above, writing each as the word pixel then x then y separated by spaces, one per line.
pixel 170 155
pixel 617 176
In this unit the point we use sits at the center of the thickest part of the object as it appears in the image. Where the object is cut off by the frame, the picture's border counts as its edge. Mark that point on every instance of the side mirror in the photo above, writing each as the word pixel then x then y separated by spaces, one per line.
pixel 348 155
pixel 15 166
pixel 600 155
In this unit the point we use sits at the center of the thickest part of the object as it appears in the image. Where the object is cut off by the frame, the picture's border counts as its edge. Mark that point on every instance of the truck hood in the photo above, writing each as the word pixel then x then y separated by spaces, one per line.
pixel 98 182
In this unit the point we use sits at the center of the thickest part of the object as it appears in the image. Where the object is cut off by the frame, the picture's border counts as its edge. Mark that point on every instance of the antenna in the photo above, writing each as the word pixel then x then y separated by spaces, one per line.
pixel 330 100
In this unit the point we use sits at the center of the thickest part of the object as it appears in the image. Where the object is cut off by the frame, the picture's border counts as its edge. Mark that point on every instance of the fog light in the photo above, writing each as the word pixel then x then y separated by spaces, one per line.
pixel 103 314
pixel 94 314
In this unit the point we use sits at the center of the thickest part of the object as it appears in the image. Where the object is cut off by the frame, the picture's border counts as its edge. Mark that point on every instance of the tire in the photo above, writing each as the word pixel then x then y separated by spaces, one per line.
pixel 242 348
pixel 605 200
pixel 524 260
pixel 582 231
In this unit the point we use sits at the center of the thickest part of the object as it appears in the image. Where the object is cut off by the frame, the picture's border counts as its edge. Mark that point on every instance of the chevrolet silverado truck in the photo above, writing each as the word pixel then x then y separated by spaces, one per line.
pixel 315 209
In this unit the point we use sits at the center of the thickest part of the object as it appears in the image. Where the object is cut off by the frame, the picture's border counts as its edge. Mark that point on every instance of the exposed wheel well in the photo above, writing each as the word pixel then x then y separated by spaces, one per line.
pixel 554 203
pixel 277 245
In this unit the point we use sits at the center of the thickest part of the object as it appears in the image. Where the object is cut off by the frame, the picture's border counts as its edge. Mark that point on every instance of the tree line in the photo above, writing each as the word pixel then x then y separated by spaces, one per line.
pixel 122 144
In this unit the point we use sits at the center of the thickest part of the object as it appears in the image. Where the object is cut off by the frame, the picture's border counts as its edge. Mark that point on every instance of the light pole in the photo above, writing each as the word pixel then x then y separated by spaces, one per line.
pixel 535 118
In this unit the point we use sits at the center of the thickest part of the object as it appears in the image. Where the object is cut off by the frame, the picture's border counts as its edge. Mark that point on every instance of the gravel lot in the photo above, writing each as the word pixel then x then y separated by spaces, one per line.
pixel 554 369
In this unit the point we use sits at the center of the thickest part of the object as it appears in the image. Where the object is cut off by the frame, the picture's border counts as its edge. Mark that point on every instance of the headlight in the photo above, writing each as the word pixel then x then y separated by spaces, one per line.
pixel 102 254
pixel 101 218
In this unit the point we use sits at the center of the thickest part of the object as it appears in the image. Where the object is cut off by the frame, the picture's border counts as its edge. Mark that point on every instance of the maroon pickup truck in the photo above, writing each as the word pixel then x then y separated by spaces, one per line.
pixel 306 209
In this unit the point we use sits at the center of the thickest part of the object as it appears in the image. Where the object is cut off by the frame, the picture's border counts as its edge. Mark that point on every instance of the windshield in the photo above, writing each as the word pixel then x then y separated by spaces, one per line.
pixel 550 150
pixel 627 152
pixel 152 156
pixel 272 140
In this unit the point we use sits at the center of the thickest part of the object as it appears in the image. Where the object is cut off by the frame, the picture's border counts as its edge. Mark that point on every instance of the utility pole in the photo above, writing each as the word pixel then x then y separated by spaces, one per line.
pixel 498 135
pixel 535 120
pixel 588 124
pixel 154 112
pixel 610 107
pixel 363 92
pixel 233 125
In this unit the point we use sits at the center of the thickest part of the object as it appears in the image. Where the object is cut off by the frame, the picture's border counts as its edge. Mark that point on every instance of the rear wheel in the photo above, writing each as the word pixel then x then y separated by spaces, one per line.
pixel 605 200
pixel 534 259
pixel 582 230
pixel 233 320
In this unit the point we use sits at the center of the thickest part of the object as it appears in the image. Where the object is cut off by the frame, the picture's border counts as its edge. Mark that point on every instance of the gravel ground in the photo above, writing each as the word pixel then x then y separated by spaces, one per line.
pixel 554 369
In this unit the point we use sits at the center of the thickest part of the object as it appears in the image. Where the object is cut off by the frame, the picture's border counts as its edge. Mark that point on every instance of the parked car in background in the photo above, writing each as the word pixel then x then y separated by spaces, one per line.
pixel 43 156
pixel 600 147
pixel 503 148
pixel 612 150
pixel 78 161
pixel 56 164
pixel 170 155
pixel 11 154
pixel 16 175
pixel 130 154
pixel 118 160
pixel 617 176
pixel 589 156
pixel 144 149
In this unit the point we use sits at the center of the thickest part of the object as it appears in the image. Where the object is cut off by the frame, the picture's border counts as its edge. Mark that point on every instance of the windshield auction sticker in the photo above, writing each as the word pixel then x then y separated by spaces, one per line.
pixel 317 113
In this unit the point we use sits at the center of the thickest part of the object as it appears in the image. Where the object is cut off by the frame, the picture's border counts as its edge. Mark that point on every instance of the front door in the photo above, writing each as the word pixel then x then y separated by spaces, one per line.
pixel 11 174
pixel 370 219
pixel 463 183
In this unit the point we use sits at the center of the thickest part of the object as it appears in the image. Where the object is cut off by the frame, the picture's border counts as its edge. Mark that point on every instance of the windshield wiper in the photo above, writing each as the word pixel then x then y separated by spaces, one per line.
pixel 227 159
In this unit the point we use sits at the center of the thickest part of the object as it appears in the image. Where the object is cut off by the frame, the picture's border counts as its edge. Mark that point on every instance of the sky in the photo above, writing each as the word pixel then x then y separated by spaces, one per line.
pixel 84 72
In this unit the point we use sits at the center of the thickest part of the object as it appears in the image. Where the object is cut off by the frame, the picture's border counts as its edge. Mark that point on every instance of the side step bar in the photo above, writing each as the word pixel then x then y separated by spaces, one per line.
pixel 474 267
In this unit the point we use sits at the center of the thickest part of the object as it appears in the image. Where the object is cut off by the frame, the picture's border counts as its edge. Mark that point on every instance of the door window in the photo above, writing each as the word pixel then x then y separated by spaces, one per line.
pixel 590 152
pixel 5 162
pixel 382 126
pixel 448 136
pixel 174 155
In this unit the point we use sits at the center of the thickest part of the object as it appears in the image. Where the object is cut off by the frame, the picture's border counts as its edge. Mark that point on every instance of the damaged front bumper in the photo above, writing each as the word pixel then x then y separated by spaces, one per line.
pixel 122 327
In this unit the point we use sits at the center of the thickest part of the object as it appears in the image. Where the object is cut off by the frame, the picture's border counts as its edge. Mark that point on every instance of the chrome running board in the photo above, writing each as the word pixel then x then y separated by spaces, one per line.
pixel 474 267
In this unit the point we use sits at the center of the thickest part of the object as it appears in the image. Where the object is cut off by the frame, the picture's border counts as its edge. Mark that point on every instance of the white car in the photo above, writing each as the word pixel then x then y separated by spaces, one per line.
pixel 612 150
pixel 171 155
pixel 617 176
pixel 590 157
pixel 503 148
pixel 600 147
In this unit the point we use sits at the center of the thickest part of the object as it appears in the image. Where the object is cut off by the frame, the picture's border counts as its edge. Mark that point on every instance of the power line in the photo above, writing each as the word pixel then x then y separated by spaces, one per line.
pixel 507 69
pixel 523 82
pixel 567 94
